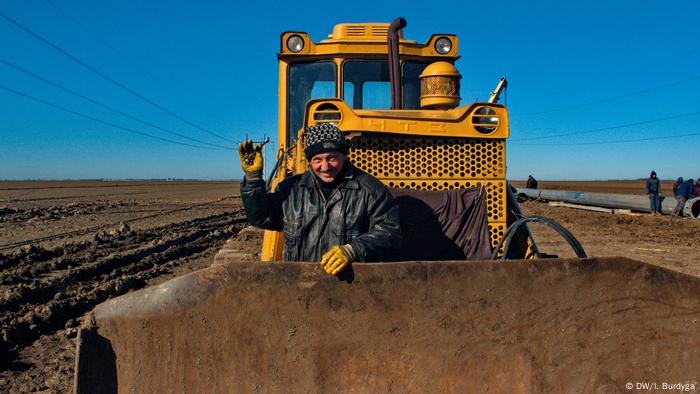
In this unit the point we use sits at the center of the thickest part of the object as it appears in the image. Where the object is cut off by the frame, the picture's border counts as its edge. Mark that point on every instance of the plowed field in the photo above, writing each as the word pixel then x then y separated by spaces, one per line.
pixel 67 246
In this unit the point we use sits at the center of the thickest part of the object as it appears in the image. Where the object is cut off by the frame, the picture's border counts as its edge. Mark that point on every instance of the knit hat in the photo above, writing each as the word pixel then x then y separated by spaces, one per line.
pixel 323 138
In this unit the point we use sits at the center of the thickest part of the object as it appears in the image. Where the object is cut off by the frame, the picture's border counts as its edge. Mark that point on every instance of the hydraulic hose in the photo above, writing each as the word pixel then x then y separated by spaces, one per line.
pixel 273 173
pixel 511 231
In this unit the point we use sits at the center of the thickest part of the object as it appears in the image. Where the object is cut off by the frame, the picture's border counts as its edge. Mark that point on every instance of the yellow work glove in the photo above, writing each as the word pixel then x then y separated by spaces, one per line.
pixel 251 159
pixel 336 259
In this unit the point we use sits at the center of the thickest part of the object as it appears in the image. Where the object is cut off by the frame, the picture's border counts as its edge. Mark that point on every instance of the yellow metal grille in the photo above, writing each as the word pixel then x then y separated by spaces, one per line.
pixel 430 158
pixel 496 231
pixel 361 31
pixel 439 86
pixel 425 163
pixel 366 31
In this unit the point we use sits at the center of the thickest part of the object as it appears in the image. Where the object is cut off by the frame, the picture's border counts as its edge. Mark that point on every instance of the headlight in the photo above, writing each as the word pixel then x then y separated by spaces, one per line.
pixel 485 120
pixel 295 43
pixel 443 45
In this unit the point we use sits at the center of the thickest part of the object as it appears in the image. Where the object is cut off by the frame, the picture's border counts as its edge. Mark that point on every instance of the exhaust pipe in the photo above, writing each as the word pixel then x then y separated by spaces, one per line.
pixel 394 64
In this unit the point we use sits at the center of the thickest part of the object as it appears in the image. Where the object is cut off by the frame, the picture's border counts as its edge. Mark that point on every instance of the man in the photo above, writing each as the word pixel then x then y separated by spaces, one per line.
pixel 653 188
pixel 333 213
pixel 677 183
pixel 531 182
pixel 684 193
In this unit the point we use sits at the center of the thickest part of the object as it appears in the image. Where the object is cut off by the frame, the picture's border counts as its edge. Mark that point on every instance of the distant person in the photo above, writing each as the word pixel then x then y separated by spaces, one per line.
pixel 531 182
pixel 696 188
pixel 684 192
pixel 676 184
pixel 653 188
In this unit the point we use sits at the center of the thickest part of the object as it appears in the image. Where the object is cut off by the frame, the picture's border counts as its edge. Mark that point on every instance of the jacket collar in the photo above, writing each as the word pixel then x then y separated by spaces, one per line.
pixel 350 182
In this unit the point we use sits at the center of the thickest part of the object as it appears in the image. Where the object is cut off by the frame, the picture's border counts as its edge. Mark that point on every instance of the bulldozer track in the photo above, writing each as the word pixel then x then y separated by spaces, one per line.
pixel 13 200
pixel 34 264
pixel 178 184
pixel 72 197
pixel 91 229
pixel 41 297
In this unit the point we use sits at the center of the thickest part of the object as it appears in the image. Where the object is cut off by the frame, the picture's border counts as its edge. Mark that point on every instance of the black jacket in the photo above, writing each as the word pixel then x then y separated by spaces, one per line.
pixel 531 183
pixel 360 212
pixel 653 186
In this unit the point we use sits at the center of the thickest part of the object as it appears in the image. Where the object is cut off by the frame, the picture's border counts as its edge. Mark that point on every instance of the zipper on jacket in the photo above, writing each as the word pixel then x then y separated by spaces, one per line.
pixel 325 206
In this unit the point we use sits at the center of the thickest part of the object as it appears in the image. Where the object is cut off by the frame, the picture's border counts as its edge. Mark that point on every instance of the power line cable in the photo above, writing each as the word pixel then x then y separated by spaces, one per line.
pixel 129 130
pixel 660 59
pixel 609 99
pixel 607 128
pixel 614 141
pixel 125 56
pixel 94 36
pixel 70 91
pixel 8 19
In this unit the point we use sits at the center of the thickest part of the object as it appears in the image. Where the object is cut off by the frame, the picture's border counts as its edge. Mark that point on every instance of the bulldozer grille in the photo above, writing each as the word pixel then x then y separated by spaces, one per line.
pixel 440 86
pixel 425 163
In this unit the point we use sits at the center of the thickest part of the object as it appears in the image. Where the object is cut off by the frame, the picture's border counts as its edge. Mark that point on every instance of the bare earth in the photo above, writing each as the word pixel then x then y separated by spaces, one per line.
pixel 67 246
pixel 669 241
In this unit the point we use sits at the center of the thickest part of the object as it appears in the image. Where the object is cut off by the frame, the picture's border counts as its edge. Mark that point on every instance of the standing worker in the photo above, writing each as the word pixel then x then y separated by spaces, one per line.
pixel 333 213
pixel 653 188
pixel 531 182
pixel 675 186
pixel 684 192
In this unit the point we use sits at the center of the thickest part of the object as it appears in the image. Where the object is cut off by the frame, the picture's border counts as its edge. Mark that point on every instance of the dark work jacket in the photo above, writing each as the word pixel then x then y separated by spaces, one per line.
pixel 360 212
pixel 685 190
pixel 653 186
pixel 531 183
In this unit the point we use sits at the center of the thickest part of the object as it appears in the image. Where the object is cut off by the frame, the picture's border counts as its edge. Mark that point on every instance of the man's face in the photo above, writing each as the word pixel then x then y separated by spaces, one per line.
pixel 328 165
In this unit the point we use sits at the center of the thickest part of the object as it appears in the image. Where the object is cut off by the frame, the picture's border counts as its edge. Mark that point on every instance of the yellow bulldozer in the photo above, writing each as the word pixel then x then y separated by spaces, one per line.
pixel 515 323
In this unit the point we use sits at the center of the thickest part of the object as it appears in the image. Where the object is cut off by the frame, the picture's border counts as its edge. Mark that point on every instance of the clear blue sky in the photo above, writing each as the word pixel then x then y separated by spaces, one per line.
pixel 214 64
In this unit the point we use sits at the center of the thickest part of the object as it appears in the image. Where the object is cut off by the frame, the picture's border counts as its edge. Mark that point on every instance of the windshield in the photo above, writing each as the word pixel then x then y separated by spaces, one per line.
pixel 366 84
pixel 307 81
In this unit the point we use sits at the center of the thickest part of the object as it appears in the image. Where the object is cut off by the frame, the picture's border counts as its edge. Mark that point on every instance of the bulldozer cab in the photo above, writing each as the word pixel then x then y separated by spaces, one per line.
pixel 352 64
pixel 398 103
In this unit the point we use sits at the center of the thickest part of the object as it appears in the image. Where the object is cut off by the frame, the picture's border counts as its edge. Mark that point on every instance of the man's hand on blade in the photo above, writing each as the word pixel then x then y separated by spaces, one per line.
pixel 336 259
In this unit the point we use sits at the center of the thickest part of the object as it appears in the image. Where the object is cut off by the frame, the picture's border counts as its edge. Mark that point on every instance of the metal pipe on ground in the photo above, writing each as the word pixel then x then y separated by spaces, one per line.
pixel 612 200
pixel 692 208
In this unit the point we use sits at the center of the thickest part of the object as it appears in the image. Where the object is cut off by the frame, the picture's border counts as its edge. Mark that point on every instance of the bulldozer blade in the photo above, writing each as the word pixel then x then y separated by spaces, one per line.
pixel 559 325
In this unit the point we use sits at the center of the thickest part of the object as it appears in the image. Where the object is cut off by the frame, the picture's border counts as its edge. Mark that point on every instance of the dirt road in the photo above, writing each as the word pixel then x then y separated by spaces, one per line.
pixel 67 246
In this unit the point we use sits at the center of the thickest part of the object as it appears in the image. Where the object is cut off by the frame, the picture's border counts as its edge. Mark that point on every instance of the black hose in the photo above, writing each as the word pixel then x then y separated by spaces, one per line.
pixel 278 164
pixel 285 153
pixel 511 231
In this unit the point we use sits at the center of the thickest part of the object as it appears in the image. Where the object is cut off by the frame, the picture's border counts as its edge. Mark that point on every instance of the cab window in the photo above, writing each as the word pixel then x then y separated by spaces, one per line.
pixel 366 84
pixel 307 81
